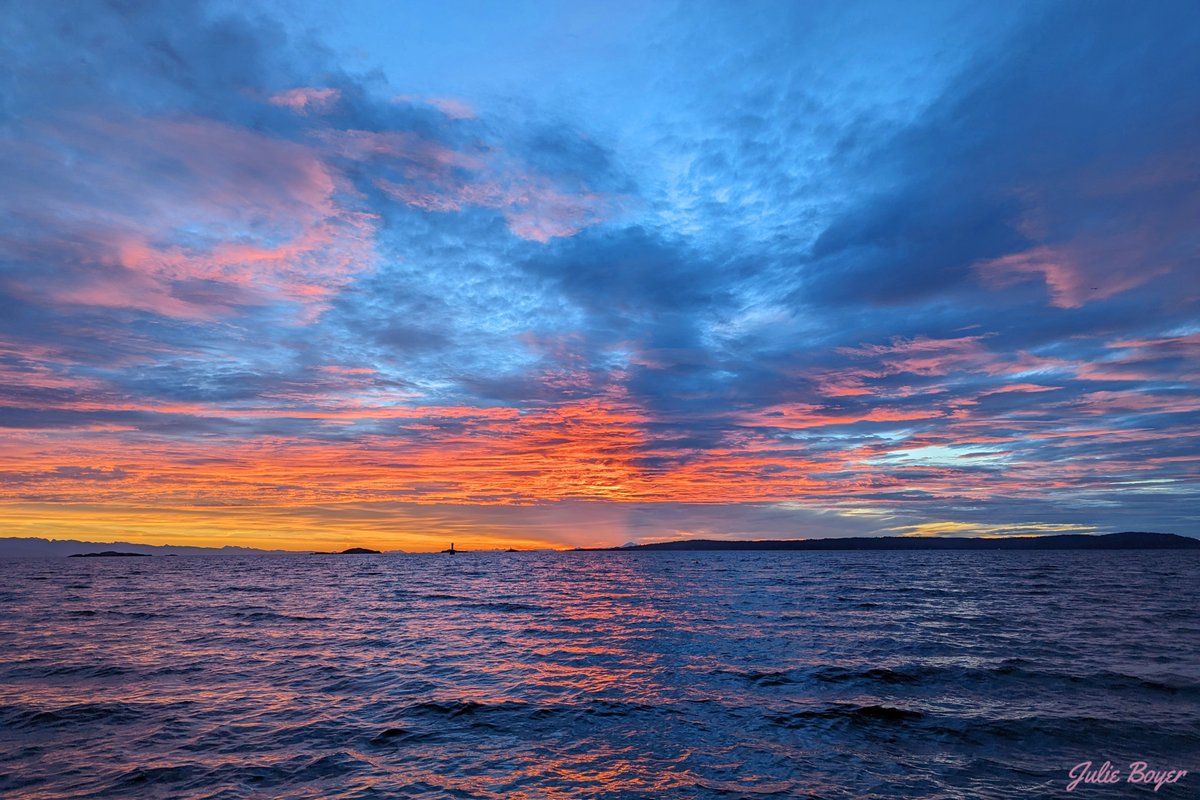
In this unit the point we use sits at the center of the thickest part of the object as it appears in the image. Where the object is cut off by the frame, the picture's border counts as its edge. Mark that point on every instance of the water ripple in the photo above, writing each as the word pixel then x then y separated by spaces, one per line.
pixel 589 675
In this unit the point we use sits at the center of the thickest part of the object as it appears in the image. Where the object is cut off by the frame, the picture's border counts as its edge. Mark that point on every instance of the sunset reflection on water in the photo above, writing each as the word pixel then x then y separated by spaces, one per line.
pixel 565 675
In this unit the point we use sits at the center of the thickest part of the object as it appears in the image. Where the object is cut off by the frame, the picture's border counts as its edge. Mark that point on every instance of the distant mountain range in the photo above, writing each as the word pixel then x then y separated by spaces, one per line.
pixel 14 547
pixel 1129 540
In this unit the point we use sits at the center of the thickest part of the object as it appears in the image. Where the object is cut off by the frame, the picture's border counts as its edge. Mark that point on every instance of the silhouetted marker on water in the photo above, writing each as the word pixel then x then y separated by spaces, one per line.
pixel 451 551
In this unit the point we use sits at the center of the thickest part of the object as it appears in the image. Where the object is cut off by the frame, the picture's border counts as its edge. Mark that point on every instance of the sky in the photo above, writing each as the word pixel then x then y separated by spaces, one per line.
pixel 294 274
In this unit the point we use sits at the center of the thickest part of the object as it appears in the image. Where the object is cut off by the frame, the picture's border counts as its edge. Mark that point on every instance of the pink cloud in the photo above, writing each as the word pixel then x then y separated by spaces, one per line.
pixel 450 106
pixel 1023 388
pixel 922 355
pixel 533 209
pixel 193 218
pixel 1127 402
pixel 419 156
pixel 306 99
pixel 804 415
pixel 1026 363
pixel 153 206
pixel 541 214
pixel 1188 344
pixel 436 178
pixel 847 383
pixel 1076 274
pixel 1170 358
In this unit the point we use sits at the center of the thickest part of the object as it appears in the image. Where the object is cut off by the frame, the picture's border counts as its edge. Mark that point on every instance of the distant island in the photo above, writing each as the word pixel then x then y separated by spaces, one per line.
pixel 109 554
pixel 351 551
pixel 1129 540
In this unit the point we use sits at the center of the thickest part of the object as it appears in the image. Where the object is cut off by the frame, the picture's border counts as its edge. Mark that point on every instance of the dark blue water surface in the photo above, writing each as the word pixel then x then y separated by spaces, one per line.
pixel 579 675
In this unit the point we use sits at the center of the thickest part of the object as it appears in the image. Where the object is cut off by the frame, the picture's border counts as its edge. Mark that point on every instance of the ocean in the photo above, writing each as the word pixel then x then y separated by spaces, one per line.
pixel 600 675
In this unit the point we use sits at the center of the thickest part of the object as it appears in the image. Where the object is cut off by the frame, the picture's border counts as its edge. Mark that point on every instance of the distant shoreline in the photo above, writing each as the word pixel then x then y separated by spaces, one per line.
pixel 109 554
pixel 24 547
pixel 1129 540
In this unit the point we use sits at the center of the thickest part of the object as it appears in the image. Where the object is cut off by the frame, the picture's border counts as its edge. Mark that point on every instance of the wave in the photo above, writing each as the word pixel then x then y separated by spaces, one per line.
pixel 22 717
pixel 1011 671
pixel 845 712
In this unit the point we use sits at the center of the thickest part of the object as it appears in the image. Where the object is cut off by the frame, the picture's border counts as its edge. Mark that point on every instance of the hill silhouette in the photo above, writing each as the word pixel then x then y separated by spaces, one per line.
pixel 1129 540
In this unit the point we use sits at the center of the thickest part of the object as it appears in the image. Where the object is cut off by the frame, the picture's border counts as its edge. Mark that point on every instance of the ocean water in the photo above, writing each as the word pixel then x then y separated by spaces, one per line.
pixel 589 675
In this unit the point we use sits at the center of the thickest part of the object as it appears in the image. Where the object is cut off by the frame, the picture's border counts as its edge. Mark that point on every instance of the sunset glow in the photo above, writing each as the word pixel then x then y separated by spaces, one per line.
pixel 309 295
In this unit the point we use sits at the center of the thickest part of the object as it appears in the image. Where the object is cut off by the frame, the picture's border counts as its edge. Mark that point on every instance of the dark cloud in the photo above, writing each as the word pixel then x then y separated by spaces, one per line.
pixel 1062 162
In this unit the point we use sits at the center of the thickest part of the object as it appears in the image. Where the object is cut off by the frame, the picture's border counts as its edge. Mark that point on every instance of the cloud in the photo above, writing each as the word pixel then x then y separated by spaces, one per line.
pixel 782 290
pixel 1037 165
pixel 452 107
pixel 306 99
pixel 180 217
